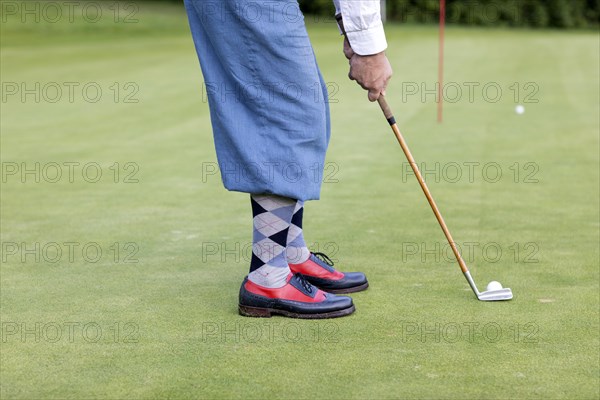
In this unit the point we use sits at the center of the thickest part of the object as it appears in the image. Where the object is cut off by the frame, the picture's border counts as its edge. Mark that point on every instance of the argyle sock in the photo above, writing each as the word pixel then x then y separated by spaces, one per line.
pixel 297 252
pixel 271 216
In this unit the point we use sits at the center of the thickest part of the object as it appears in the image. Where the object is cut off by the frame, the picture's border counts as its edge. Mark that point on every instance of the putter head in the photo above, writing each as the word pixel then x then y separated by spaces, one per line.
pixel 495 295
pixel 490 295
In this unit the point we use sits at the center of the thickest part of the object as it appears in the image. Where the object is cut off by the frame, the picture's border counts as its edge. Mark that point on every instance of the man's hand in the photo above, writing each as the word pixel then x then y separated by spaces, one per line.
pixel 372 73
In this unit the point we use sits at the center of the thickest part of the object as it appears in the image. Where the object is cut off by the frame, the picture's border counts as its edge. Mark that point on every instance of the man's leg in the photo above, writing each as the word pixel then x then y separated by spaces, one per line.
pixel 271 218
pixel 270 121
pixel 271 288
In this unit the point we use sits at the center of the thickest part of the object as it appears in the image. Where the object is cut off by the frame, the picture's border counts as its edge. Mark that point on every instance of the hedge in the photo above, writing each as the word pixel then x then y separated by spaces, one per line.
pixel 520 13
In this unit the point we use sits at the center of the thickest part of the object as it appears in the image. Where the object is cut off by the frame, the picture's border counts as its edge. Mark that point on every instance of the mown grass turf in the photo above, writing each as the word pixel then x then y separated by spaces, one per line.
pixel 418 331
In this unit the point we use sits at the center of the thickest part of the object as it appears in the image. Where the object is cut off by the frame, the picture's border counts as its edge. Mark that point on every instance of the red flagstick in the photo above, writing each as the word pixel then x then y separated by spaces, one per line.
pixel 440 99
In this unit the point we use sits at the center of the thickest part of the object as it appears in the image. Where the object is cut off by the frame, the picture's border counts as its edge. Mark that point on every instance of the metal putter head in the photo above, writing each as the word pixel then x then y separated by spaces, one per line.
pixel 495 295
pixel 490 295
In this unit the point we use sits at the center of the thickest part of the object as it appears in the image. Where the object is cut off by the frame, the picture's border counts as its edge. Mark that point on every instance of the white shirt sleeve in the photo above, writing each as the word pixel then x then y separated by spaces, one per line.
pixel 362 22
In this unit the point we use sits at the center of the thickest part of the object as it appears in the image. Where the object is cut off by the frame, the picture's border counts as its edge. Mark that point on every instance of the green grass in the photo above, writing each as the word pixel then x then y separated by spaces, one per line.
pixel 543 344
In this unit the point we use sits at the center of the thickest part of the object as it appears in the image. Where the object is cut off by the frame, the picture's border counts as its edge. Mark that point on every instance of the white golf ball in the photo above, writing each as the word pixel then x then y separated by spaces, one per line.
pixel 493 285
pixel 520 109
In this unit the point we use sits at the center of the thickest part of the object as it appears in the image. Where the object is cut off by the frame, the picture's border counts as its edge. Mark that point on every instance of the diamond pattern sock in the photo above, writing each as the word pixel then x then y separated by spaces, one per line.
pixel 297 252
pixel 271 217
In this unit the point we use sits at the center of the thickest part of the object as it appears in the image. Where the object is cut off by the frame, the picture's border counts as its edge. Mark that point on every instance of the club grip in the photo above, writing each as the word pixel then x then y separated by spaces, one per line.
pixel 387 111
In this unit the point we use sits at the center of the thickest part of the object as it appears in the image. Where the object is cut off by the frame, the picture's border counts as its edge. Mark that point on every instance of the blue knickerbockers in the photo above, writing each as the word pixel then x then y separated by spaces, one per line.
pixel 268 101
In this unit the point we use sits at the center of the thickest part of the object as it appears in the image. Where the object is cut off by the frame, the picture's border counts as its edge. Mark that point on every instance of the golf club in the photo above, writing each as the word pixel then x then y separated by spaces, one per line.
pixel 489 295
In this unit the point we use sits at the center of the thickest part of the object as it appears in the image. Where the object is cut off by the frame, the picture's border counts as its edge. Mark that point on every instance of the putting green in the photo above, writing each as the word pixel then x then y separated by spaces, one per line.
pixel 122 254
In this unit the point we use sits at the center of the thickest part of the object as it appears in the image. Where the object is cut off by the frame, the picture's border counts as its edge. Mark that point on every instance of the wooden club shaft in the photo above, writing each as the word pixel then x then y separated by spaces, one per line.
pixel 389 116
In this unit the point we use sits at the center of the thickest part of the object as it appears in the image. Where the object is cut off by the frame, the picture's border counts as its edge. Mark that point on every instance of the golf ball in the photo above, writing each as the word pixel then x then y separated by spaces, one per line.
pixel 493 285
pixel 520 109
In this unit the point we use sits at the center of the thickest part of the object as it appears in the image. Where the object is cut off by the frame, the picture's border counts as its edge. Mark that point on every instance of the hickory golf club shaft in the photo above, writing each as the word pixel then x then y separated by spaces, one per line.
pixel 392 121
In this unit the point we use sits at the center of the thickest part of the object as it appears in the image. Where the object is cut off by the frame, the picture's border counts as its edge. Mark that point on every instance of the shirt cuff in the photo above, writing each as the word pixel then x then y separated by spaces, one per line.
pixel 369 41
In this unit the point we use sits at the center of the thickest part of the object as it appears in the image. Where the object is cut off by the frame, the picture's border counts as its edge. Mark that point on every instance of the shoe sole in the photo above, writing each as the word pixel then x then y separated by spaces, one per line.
pixel 258 312
pixel 353 289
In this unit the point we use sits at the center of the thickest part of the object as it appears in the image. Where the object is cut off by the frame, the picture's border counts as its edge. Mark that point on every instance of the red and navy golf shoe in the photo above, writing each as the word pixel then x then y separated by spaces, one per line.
pixel 319 271
pixel 297 299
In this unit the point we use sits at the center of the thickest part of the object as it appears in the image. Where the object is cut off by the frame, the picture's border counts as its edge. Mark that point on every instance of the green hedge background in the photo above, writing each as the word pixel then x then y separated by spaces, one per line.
pixel 519 13
pixel 563 14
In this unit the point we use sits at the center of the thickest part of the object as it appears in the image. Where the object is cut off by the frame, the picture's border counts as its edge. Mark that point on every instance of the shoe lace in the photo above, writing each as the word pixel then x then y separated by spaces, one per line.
pixel 323 257
pixel 305 284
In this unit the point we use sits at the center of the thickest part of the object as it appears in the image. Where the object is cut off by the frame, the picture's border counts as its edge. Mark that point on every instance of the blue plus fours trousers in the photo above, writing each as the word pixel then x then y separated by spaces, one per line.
pixel 267 98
